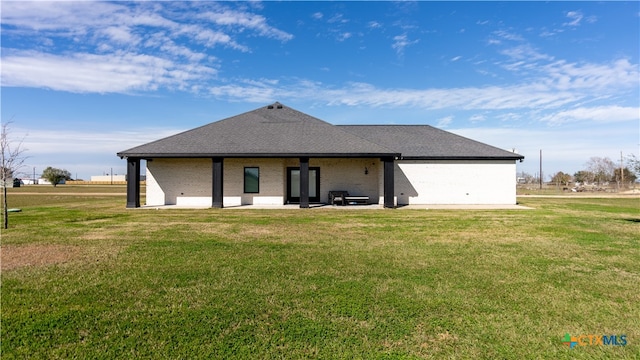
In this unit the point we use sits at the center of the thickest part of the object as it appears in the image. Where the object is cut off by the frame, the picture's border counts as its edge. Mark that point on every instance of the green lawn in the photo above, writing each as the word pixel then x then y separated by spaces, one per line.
pixel 88 278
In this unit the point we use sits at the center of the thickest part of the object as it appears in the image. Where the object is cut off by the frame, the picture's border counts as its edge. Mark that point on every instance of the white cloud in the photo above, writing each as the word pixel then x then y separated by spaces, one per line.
pixel 246 20
pixel 400 42
pixel 338 18
pixel 121 34
pixel 526 52
pixel 113 43
pixel 121 72
pixel 84 152
pixel 548 91
pixel 444 122
pixel 456 58
pixel 601 114
pixel 344 36
pixel 575 17
pixel 503 34
pixel 563 149
pixel 617 74
pixel 477 118
pixel 43 141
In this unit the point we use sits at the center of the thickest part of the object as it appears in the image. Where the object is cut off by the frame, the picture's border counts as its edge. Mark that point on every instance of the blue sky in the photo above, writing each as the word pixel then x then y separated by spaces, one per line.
pixel 84 80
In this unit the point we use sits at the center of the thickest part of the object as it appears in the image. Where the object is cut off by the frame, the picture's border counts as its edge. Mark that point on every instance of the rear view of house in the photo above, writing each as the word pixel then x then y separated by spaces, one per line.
pixel 276 155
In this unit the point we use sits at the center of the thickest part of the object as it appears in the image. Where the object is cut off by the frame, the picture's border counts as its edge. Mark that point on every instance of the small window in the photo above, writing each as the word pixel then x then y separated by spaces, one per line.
pixel 252 180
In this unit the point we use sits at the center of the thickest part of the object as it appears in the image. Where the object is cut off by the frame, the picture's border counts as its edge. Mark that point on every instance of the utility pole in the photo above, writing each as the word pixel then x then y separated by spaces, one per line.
pixel 540 169
pixel 621 171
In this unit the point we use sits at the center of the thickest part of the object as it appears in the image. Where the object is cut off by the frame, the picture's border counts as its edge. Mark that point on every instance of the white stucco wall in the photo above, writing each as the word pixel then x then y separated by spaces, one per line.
pixel 455 182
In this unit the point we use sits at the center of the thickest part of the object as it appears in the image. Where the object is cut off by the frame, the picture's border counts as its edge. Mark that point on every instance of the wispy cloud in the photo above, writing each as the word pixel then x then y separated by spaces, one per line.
pixel 575 17
pixel 240 20
pixel 508 35
pixel 601 114
pixel 444 122
pixel 564 149
pixel 549 86
pixel 93 152
pixel 118 53
pixel 477 118
pixel 110 73
pixel 400 42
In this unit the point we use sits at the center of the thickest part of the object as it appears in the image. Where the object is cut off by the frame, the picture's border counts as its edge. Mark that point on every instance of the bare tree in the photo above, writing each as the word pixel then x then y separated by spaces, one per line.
pixel 602 168
pixel 561 178
pixel 634 164
pixel 12 160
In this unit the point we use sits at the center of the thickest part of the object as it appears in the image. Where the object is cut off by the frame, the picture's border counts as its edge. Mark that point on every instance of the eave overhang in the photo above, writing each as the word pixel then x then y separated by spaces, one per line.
pixel 514 158
pixel 256 155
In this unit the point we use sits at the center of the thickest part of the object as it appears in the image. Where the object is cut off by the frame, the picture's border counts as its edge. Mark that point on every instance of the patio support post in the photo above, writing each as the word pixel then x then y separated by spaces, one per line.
pixel 304 182
pixel 389 201
pixel 217 189
pixel 133 182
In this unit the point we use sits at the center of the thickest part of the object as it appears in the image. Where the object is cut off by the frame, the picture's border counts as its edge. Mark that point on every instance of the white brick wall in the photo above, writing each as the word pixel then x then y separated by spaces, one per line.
pixel 349 175
pixel 179 181
pixel 189 181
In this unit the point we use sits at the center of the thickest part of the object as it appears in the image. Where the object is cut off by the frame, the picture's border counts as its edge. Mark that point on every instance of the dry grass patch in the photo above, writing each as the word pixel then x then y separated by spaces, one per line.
pixel 17 256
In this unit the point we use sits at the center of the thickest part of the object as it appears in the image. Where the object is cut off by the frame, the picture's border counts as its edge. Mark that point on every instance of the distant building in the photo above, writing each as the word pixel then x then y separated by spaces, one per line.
pixel 108 178
pixel 47 182
pixel 10 183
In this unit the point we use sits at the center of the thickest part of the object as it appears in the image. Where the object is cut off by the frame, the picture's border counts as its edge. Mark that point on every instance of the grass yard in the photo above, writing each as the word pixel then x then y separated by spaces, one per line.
pixel 83 277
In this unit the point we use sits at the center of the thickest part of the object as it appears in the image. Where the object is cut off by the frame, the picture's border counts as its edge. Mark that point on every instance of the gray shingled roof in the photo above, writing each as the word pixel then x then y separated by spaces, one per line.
pixel 270 131
pixel 279 131
pixel 427 142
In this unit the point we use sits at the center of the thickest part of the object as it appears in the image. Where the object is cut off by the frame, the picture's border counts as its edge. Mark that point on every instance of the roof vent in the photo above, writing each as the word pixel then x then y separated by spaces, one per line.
pixel 270 107
pixel 279 106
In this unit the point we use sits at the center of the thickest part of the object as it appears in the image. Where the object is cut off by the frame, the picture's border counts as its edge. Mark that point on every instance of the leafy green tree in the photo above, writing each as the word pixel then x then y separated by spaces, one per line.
pixel 561 178
pixel 55 176
pixel 583 177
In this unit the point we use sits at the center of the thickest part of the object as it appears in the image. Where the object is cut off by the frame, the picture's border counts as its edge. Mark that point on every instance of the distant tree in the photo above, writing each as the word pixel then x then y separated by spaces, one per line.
pixel 526 177
pixel 628 176
pixel 602 169
pixel 55 176
pixel 12 160
pixel 561 178
pixel 583 177
pixel 634 164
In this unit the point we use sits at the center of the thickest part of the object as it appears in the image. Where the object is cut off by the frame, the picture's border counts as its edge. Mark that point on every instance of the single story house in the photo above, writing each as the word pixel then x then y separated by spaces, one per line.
pixel 276 155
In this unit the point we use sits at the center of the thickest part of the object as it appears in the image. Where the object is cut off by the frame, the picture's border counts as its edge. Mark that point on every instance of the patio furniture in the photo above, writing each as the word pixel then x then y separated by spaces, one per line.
pixel 341 197
pixel 336 197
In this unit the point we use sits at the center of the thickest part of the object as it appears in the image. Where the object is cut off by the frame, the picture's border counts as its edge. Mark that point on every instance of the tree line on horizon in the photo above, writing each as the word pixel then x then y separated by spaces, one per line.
pixel 598 171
